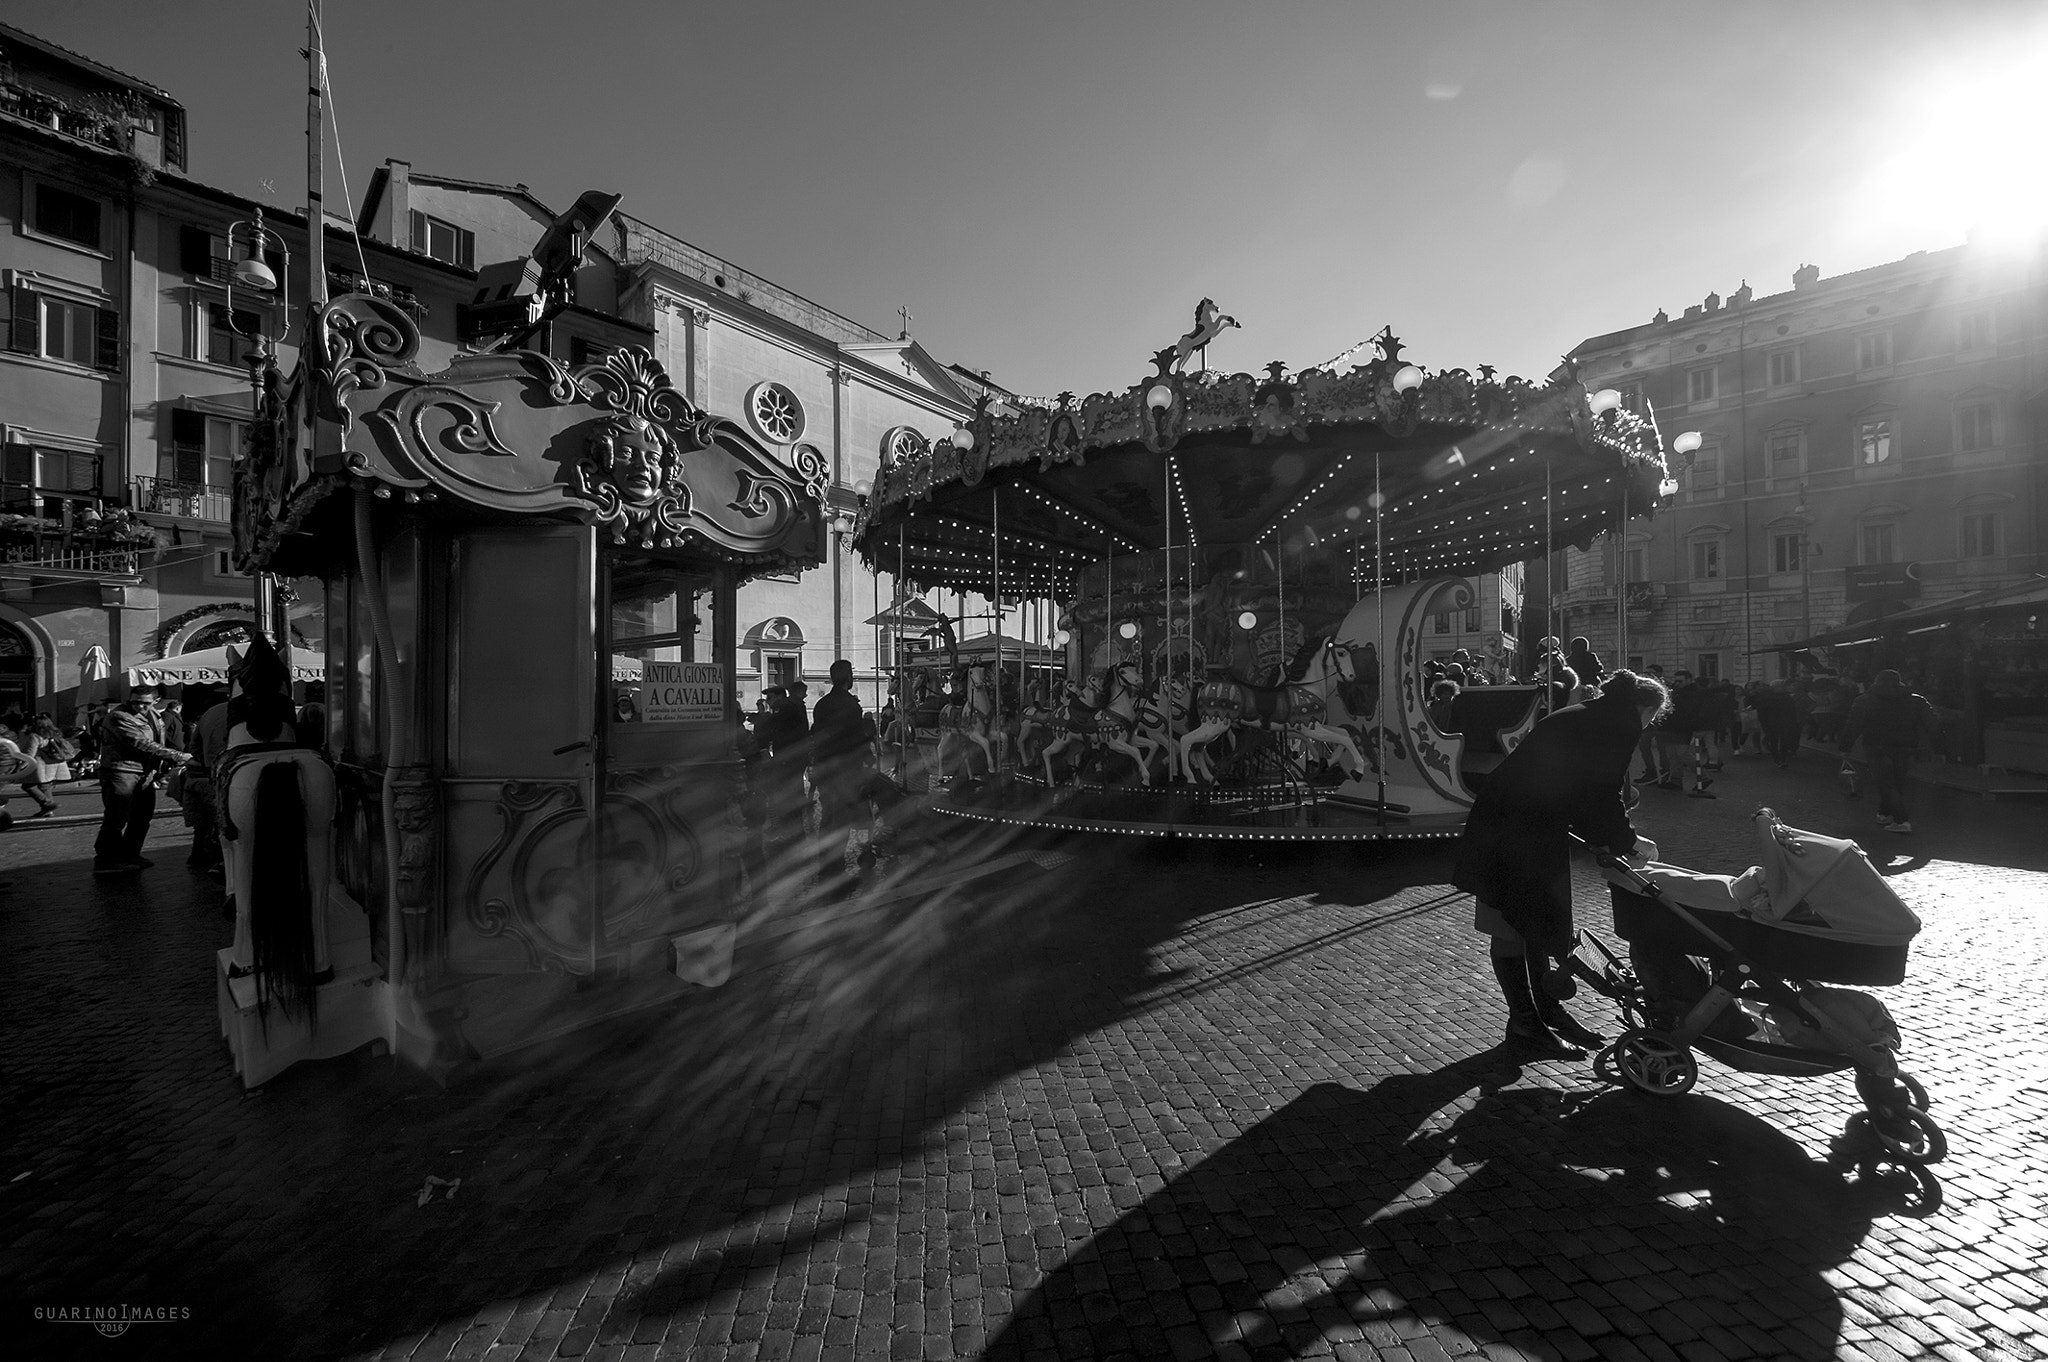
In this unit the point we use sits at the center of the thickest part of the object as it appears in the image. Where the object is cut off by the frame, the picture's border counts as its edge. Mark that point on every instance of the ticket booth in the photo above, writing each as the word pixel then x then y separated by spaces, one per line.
pixel 531 705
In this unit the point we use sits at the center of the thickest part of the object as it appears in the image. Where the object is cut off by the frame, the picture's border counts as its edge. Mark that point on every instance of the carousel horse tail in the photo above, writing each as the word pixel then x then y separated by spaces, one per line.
pixel 280 897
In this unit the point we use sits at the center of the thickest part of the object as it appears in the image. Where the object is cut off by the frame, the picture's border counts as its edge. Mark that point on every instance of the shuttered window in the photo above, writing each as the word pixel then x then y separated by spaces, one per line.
pixel 188 445
pixel 64 329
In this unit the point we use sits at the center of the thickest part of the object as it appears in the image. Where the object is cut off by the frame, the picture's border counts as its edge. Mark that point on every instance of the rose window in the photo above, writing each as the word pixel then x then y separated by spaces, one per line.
pixel 775 412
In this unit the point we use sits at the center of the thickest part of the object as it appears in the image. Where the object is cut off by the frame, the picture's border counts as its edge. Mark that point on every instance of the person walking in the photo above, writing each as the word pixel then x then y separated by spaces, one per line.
pixel 1893 722
pixel 1584 662
pixel 1514 856
pixel 1691 712
pixel 133 754
pixel 842 738
pixel 209 743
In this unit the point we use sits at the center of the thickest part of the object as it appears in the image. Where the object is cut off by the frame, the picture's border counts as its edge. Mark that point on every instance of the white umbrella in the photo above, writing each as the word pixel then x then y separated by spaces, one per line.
pixel 93 669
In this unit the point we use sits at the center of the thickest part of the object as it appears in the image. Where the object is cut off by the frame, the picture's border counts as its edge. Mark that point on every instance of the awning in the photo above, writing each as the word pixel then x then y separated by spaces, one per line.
pixel 209 666
pixel 985 646
pixel 1923 618
pixel 910 614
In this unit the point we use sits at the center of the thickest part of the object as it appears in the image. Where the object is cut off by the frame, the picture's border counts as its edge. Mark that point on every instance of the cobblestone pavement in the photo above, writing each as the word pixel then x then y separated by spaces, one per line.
pixel 1137 1104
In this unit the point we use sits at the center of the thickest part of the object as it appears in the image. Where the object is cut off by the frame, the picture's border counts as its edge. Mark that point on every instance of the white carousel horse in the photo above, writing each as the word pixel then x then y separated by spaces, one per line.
pixel 277 799
pixel 971 716
pixel 1165 714
pixel 1035 719
pixel 1104 714
pixel 1291 708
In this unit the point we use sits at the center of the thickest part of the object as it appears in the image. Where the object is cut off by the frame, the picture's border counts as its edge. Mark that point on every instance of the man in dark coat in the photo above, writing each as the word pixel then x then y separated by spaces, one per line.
pixel 133 755
pixel 1515 855
pixel 1893 722
pixel 841 738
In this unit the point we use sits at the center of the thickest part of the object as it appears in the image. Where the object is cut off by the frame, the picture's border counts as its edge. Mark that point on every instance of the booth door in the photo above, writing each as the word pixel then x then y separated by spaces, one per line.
pixel 576 671
pixel 522 864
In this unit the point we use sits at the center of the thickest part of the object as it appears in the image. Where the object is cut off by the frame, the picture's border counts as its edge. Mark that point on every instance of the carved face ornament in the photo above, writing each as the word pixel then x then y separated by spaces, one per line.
pixel 637 456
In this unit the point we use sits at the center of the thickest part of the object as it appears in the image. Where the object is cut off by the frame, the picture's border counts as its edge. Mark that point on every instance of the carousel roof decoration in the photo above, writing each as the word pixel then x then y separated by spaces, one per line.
pixel 515 435
pixel 1469 466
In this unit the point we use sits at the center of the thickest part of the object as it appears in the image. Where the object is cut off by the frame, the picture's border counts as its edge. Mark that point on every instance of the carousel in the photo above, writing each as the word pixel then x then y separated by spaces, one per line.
pixel 533 804
pixel 1242 572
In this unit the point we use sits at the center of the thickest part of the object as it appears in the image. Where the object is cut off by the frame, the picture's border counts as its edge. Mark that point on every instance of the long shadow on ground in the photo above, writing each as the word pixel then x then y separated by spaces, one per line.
pixel 1412 1209
pixel 289 1222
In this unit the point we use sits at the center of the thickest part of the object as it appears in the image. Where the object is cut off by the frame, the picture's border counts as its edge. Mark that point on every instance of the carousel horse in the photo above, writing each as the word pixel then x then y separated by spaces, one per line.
pixel 276 826
pixel 971 715
pixel 1032 722
pixel 1292 708
pixel 1105 715
pixel 1165 713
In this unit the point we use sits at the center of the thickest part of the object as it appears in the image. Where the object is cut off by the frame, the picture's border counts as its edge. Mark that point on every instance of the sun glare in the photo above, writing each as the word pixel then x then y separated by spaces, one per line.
pixel 1962 160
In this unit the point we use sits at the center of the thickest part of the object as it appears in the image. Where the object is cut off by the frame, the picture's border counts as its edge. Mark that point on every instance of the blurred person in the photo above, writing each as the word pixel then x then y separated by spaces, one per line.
pixel 1443 697
pixel 842 740
pixel 37 768
pixel 1750 736
pixel 57 748
pixel 1690 713
pixel 1581 659
pixel 1514 856
pixel 1893 722
pixel 209 743
pixel 133 759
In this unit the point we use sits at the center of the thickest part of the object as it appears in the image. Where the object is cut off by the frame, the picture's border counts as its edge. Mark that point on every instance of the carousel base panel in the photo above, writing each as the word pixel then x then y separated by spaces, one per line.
pixel 1221 814
pixel 353 1010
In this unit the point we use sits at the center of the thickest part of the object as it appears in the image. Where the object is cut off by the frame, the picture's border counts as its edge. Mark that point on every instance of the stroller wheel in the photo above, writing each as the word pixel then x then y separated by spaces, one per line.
pixel 1912 1189
pixel 1652 1062
pixel 1916 1094
pixel 1909 1137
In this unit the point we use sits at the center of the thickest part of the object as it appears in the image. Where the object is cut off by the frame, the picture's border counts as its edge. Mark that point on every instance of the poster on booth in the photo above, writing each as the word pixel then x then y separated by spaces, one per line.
pixel 681 693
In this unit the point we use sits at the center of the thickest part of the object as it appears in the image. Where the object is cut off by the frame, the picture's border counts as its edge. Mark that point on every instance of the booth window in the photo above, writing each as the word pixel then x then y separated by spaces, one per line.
pixel 658 612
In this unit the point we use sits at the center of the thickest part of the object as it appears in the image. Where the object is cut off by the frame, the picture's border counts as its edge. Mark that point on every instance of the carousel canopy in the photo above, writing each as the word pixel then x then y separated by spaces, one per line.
pixel 1473 474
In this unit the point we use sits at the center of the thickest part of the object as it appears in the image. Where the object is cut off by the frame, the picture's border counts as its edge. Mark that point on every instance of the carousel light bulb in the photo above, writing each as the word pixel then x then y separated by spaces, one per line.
pixel 1160 397
pixel 1686 443
pixel 1127 629
pixel 1248 621
pixel 1607 399
pixel 863 488
pixel 1062 638
pixel 963 439
pixel 1406 378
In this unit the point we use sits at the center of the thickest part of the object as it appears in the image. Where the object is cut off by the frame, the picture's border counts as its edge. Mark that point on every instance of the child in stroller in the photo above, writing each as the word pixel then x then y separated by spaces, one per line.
pixel 1742 968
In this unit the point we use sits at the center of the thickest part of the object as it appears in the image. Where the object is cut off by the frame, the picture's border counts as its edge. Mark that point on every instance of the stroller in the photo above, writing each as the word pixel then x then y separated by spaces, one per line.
pixel 1775 939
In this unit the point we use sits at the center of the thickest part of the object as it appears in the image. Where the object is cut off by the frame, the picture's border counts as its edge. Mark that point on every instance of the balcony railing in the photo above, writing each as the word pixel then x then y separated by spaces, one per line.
pixel 191 500
pixel 32 560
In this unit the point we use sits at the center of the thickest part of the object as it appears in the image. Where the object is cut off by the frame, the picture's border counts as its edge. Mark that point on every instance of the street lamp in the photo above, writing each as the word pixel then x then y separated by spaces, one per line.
pixel 1808 550
pixel 253 273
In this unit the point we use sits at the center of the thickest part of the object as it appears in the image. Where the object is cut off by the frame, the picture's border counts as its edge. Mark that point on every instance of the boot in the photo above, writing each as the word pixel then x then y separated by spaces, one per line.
pixel 1526 1030
pixel 1553 1012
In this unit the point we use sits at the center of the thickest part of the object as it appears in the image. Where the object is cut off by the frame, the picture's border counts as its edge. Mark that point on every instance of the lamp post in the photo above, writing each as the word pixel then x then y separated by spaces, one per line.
pixel 253 273
pixel 1807 550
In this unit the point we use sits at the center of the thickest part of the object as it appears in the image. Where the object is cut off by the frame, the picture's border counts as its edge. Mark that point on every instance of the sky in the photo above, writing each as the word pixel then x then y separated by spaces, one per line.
pixel 1050 188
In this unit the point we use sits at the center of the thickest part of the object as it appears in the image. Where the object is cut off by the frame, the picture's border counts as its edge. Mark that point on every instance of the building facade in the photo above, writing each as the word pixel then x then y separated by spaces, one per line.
pixel 1867 443
pixel 796 373
pixel 125 384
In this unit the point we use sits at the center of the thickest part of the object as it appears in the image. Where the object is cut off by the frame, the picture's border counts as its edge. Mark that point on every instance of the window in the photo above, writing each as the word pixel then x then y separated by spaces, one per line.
pixel 1980 534
pixel 66 216
pixel 1706 469
pixel 227 338
pixel 443 240
pixel 1708 668
pixel 57 326
pixel 1974 427
pixel 1785 451
pixel 1706 559
pixel 1874 441
pixel 203 450
pixel 1472 620
pixel 1632 399
pixel 1636 564
pixel 1440 623
pixel 1874 350
pixel 1974 334
pixel 1708 612
pixel 583 350
pixel 1701 385
pixel 1878 542
pixel 40 480
pixel 1783 367
pixel 1785 552
pixel 70 330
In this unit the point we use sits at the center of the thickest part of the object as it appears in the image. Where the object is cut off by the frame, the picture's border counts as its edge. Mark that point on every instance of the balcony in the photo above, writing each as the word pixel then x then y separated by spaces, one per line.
pixel 71 564
pixel 185 500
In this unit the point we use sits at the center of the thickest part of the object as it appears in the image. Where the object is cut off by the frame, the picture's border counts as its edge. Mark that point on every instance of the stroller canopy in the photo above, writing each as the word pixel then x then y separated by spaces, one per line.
pixel 1827 885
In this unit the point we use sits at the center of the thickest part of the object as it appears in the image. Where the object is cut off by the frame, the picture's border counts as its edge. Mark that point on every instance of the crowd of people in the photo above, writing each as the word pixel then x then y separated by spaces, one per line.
pixel 815 803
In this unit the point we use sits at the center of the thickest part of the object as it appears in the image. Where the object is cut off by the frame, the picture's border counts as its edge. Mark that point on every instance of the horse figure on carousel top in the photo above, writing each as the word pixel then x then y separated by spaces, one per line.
pixel 1289 708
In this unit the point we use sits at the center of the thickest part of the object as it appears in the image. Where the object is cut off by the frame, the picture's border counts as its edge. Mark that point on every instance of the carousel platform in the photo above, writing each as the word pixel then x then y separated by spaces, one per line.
pixel 1221 813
